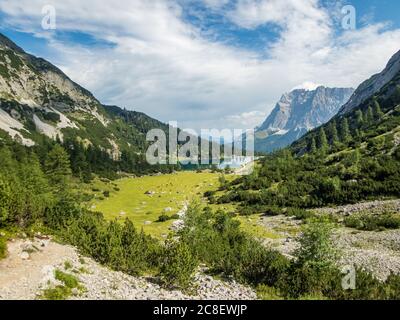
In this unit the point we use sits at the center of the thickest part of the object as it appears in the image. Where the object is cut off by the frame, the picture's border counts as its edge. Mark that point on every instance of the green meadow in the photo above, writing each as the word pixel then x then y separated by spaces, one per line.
pixel 144 199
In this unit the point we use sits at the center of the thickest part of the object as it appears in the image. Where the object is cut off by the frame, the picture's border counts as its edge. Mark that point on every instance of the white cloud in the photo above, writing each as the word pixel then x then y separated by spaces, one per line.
pixel 252 13
pixel 250 119
pixel 163 66
pixel 308 85
pixel 215 4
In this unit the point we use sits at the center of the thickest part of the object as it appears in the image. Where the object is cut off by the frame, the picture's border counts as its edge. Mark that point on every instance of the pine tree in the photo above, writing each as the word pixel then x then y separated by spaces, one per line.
pixel 115 253
pixel 377 110
pixel 334 133
pixel 36 193
pixel 359 118
pixel 369 115
pixel 5 197
pixel 358 134
pixel 317 249
pixel 322 140
pixel 313 146
pixel 345 131
pixel 57 167
pixel 396 95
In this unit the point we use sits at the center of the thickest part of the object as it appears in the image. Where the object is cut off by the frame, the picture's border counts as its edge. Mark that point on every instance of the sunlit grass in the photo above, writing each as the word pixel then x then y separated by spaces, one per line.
pixel 170 193
pixel 128 199
pixel 250 225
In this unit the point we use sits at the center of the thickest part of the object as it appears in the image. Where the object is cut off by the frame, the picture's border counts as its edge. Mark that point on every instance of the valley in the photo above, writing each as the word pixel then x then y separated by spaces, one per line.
pixel 144 199
pixel 85 213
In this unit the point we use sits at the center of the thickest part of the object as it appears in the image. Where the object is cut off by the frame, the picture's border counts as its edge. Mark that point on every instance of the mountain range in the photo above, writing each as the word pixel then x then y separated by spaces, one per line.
pixel 371 117
pixel 37 101
pixel 298 112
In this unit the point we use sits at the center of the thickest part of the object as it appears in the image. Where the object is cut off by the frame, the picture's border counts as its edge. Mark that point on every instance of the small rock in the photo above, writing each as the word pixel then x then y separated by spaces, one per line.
pixel 24 255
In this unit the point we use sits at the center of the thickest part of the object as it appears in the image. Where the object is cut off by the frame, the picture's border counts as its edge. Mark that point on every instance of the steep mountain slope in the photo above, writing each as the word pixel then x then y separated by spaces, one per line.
pixel 375 117
pixel 374 84
pixel 355 157
pixel 297 113
pixel 36 98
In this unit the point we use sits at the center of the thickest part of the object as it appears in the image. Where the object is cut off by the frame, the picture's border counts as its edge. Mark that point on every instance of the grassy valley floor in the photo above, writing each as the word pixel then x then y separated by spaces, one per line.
pixel 143 200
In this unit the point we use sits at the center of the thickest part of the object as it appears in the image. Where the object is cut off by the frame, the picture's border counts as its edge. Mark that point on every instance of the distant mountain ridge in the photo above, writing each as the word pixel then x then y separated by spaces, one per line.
pixel 372 115
pixel 298 112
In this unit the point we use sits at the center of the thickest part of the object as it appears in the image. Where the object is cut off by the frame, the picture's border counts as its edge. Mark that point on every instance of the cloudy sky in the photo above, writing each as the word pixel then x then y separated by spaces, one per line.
pixel 206 63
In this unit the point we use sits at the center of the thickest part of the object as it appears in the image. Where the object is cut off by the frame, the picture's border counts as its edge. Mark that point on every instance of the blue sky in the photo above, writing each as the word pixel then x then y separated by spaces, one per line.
pixel 206 63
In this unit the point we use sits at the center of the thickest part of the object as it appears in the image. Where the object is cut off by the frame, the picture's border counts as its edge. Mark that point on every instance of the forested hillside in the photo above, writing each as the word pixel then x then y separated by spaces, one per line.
pixel 55 137
pixel 354 157
pixel 39 104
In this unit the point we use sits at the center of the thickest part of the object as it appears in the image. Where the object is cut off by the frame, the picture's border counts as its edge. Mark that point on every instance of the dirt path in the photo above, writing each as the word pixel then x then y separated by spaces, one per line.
pixel 30 265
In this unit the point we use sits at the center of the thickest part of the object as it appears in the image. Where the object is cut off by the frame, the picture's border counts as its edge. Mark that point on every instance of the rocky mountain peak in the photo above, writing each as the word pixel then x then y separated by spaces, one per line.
pixel 297 112
pixel 5 42
pixel 373 85
pixel 36 98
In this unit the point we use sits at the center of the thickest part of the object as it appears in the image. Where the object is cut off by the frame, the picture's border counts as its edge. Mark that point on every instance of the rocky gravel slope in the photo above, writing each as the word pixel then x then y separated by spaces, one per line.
pixel 30 265
pixel 376 252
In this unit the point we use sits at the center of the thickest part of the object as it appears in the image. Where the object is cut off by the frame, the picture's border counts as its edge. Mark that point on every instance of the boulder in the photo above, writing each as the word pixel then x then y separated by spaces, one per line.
pixel 24 255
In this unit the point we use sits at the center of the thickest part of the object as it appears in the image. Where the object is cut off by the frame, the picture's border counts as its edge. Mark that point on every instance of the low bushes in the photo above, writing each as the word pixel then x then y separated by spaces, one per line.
pixel 273 211
pixel 216 240
pixel 367 222
pixel 117 245
pixel 64 291
pixel 300 214
pixel 178 264
pixel 3 247
pixel 165 217
pixel 266 210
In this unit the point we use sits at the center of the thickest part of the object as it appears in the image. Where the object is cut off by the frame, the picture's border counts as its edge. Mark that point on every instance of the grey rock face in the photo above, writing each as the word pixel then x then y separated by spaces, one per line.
pixel 368 88
pixel 37 97
pixel 35 82
pixel 298 112
pixel 31 87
